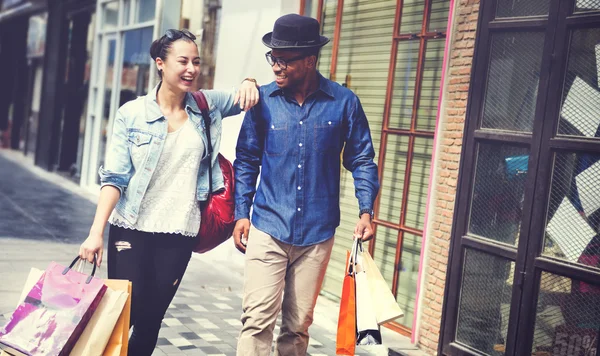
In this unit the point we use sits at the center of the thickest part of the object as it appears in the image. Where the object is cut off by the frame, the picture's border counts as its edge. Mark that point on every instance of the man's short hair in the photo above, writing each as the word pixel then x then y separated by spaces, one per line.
pixel 312 52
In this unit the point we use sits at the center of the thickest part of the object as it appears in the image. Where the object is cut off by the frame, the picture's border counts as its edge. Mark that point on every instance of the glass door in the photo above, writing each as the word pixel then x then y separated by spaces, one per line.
pixel 524 274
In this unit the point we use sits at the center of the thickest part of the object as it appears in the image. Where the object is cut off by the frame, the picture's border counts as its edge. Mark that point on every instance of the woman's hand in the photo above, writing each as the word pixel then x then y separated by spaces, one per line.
pixel 247 95
pixel 93 245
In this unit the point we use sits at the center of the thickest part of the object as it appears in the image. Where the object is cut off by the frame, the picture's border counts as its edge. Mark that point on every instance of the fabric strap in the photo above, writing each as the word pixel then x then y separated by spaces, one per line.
pixel 203 105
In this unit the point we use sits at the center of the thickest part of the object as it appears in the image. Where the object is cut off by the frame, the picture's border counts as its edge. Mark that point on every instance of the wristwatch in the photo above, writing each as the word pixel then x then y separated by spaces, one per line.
pixel 366 211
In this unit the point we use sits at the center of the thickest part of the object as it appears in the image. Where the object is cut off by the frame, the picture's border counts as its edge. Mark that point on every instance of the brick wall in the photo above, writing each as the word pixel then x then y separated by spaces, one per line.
pixel 450 140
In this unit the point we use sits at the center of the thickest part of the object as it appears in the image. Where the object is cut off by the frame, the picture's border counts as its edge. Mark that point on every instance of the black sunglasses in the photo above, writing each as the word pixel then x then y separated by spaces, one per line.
pixel 283 63
pixel 174 35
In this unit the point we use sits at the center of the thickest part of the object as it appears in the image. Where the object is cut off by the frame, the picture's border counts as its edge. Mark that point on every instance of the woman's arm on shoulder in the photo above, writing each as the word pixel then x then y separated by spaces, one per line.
pixel 227 101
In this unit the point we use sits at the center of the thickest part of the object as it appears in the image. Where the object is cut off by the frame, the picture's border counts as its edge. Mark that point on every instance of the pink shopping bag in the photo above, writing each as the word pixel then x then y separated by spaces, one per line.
pixel 53 315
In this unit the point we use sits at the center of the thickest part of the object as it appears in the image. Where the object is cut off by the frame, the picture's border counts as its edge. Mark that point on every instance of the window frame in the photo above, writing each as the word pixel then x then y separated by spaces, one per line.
pixel 544 143
pixel 413 133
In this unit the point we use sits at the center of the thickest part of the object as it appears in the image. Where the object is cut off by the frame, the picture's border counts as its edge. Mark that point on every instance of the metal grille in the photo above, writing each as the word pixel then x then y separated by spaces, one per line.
pixel 498 192
pixel 520 8
pixel 581 94
pixel 573 219
pixel 484 302
pixel 513 80
pixel 587 5
pixel 412 16
pixel 568 317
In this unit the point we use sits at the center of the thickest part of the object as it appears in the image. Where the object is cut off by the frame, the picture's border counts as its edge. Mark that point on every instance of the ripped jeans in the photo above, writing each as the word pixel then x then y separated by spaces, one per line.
pixel 155 264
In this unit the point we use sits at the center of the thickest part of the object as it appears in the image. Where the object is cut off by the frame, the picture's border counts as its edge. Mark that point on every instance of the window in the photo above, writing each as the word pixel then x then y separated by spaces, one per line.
pixel 364 36
pixel 526 246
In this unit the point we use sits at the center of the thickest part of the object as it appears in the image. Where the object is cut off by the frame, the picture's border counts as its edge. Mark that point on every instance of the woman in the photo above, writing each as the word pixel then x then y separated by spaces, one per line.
pixel 155 175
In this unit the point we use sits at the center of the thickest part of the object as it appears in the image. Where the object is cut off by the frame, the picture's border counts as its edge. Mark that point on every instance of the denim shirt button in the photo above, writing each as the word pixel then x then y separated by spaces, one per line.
pixel 300 145
pixel 301 122
pixel 299 209
pixel 329 122
pixel 299 188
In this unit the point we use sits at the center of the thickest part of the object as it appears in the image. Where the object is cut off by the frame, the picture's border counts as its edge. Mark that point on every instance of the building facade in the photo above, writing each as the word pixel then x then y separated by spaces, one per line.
pixel 484 118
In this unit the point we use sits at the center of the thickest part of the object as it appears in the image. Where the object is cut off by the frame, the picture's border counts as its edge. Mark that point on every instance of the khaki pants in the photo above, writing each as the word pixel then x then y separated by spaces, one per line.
pixel 274 271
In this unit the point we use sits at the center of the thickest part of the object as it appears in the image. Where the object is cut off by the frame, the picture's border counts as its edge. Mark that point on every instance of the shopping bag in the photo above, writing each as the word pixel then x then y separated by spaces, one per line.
pixel 34 276
pixel 384 303
pixel 119 340
pixel 346 331
pixel 367 328
pixel 54 313
pixel 98 331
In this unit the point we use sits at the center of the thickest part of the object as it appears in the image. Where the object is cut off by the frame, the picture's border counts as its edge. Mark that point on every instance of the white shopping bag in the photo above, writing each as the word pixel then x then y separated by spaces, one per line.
pixel 366 321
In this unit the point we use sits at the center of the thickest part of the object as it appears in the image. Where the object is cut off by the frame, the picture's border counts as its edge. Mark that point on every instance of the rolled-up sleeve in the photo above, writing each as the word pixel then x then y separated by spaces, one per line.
pixel 117 169
pixel 358 157
pixel 247 163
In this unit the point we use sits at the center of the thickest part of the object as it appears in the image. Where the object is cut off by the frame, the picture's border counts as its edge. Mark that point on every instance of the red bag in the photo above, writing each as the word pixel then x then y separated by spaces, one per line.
pixel 346 331
pixel 217 221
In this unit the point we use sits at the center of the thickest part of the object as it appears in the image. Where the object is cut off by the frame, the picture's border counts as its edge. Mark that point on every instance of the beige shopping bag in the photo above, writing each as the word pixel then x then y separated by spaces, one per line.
pixel 119 340
pixel 367 328
pixel 34 276
pixel 98 331
pixel 386 307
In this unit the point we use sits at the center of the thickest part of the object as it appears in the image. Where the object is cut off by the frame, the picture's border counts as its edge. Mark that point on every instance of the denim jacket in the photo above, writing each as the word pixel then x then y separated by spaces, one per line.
pixel 137 141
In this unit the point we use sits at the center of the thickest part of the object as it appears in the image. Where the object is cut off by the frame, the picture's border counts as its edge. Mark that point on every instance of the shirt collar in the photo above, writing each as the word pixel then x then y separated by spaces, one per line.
pixel 324 87
pixel 153 112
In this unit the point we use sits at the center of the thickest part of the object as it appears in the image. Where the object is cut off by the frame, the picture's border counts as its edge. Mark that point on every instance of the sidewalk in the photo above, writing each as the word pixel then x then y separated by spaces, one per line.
pixel 41 221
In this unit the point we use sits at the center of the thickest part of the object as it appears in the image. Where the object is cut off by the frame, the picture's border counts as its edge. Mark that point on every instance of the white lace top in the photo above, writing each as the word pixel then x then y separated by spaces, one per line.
pixel 170 205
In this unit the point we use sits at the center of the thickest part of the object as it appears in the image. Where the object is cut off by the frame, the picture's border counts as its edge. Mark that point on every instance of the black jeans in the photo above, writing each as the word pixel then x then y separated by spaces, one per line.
pixel 155 264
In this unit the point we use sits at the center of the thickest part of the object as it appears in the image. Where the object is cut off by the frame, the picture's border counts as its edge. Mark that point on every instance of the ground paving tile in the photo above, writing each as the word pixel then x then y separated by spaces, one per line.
pixel 42 222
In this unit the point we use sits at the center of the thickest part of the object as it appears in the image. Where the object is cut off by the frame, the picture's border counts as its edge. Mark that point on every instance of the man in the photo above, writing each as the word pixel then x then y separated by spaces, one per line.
pixel 296 134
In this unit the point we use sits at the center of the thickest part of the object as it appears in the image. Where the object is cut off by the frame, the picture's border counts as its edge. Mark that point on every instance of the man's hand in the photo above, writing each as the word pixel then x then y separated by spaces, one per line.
pixel 240 233
pixel 363 229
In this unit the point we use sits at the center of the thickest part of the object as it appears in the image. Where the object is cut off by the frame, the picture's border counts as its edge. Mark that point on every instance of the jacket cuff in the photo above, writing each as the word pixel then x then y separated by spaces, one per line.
pixel 242 211
pixel 117 180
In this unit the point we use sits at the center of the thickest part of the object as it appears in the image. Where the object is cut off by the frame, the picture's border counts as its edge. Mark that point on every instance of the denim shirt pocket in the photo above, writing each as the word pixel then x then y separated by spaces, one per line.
pixel 276 138
pixel 327 133
pixel 139 147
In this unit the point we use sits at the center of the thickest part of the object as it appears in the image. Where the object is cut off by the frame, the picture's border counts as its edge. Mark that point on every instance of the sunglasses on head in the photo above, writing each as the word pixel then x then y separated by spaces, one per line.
pixel 174 35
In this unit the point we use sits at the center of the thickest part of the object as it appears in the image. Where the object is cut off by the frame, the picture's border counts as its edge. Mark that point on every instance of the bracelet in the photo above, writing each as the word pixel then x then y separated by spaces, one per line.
pixel 250 80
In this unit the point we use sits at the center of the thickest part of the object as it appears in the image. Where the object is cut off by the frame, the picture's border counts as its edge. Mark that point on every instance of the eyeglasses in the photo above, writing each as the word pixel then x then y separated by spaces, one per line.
pixel 174 35
pixel 282 63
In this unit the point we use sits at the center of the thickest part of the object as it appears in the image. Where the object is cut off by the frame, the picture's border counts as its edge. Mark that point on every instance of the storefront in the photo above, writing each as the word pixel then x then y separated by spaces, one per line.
pixel 22 42
pixel 122 68
pixel 391 54
pixel 524 275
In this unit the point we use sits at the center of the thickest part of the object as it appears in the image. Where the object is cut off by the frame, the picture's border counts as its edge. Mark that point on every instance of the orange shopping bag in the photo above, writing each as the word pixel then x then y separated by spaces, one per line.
pixel 346 332
pixel 118 343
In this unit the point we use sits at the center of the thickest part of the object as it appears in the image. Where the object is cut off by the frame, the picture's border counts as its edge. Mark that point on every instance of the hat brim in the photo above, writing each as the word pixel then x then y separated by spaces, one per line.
pixel 267 42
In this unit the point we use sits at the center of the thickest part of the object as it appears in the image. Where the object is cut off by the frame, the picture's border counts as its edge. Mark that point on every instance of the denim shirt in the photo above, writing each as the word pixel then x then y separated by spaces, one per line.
pixel 137 141
pixel 298 148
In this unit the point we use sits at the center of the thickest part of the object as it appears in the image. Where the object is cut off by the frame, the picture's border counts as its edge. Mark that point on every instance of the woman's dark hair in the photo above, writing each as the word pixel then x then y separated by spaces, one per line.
pixel 160 48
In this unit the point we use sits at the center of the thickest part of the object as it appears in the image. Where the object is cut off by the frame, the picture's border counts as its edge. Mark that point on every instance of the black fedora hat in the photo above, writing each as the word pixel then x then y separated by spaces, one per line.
pixel 295 32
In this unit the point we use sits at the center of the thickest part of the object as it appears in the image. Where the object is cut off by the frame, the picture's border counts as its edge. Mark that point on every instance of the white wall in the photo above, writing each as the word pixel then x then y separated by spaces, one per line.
pixel 241 54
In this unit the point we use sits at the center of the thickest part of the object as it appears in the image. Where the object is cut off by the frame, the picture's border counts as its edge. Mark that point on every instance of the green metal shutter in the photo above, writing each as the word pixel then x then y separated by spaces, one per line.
pixel 363 64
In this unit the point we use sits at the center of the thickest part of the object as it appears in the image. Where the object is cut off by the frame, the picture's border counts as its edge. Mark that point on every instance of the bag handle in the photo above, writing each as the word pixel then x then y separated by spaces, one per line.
pixel 89 279
pixel 356 246
pixel 203 105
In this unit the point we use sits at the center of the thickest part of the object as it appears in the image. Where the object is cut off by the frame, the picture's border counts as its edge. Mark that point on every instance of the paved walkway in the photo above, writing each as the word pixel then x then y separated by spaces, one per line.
pixel 41 221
